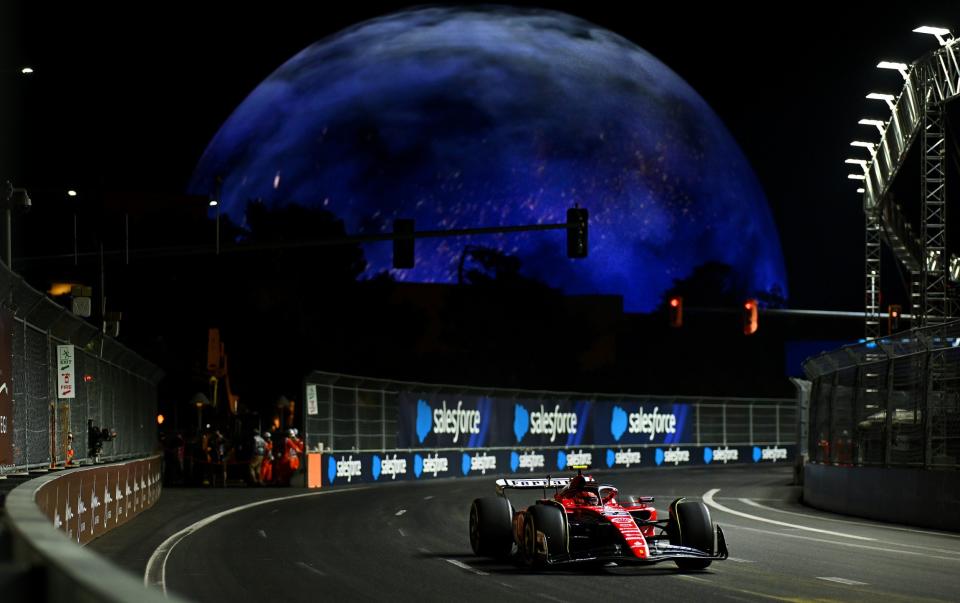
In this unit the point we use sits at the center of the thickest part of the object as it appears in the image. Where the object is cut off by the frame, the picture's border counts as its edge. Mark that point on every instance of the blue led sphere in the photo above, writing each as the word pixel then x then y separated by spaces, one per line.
pixel 468 117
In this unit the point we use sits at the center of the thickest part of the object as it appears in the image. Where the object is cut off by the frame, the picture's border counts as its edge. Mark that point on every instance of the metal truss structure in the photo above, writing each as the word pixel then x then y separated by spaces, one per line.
pixel 917 112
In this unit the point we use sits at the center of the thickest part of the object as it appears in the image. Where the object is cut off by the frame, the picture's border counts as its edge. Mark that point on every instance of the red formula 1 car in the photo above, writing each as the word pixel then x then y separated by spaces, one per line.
pixel 589 522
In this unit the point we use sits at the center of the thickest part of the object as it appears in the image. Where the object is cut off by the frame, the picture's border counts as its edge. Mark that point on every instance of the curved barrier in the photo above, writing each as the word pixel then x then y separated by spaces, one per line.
pixel 49 515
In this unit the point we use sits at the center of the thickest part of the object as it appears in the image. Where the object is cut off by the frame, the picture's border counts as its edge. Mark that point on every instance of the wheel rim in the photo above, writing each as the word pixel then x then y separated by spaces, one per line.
pixel 474 528
pixel 530 541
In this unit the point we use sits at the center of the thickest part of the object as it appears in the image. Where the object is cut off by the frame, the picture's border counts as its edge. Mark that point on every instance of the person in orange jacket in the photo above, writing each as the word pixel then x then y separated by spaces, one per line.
pixel 292 447
pixel 266 467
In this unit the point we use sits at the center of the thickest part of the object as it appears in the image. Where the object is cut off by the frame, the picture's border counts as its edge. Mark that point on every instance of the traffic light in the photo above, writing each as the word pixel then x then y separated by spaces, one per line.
pixel 676 311
pixel 750 314
pixel 577 218
pixel 893 318
pixel 403 251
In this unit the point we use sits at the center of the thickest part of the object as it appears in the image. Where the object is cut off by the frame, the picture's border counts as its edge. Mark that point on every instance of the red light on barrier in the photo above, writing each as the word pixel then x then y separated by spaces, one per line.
pixel 87 378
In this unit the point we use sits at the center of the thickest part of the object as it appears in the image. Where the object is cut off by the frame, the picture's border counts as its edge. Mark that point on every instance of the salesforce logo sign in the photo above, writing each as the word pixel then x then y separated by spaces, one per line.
pixel 543 422
pixel 623 458
pixel 720 455
pixel 446 421
pixel 388 466
pixel 573 459
pixel 346 468
pixel 480 461
pixel 529 460
pixel 674 456
pixel 772 454
pixel 640 422
pixel 435 464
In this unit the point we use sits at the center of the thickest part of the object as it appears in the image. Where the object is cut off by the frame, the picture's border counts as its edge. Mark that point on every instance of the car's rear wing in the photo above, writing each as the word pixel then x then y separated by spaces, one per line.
pixel 531 483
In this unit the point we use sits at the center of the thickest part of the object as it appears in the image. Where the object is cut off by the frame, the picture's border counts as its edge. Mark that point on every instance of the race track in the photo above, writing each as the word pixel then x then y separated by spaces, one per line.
pixel 408 542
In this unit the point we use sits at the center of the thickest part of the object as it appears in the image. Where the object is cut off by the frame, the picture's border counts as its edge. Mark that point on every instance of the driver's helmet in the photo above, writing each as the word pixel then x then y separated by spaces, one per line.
pixel 577 483
pixel 586 497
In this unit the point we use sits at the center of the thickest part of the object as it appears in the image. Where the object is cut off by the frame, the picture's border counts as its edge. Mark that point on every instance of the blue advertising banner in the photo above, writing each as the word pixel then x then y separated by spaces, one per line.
pixel 352 468
pixel 642 422
pixel 431 421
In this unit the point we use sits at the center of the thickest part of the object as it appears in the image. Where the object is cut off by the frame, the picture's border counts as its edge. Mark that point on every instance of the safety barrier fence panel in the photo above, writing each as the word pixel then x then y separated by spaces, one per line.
pixel 889 402
pixel 375 430
pixel 58 372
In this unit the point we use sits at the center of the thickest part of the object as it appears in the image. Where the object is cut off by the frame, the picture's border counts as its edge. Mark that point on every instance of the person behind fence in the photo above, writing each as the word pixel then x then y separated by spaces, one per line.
pixel 266 467
pixel 256 460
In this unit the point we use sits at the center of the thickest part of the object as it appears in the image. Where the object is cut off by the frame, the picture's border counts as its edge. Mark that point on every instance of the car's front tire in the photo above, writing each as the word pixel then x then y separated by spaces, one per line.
pixel 552 522
pixel 690 525
pixel 491 527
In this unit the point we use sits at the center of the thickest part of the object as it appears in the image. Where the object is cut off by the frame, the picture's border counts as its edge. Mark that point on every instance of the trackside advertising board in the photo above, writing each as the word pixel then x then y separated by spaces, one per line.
pixel 431 421
pixel 343 469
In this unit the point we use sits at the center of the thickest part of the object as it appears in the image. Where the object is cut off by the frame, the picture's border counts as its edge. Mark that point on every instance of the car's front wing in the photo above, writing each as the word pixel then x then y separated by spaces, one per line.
pixel 657 552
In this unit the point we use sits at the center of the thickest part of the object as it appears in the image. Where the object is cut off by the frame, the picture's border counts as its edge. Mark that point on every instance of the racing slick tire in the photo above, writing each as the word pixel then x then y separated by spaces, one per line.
pixel 552 522
pixel 491 527
pixel 690 525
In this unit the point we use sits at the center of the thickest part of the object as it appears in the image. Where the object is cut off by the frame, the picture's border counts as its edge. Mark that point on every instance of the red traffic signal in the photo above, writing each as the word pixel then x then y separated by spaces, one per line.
pixel 676 311
pixel 750 316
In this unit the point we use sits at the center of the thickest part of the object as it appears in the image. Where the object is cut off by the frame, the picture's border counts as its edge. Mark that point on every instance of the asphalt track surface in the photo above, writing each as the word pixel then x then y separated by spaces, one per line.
pixel 408 542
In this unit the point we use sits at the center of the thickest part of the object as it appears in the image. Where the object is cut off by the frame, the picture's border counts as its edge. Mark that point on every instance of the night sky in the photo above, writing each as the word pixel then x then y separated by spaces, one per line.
pixel 128 98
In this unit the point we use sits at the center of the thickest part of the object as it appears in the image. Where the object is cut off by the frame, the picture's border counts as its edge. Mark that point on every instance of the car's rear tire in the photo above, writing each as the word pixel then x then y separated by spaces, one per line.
pixel 491 527
pixel 690 525
pixel 552 522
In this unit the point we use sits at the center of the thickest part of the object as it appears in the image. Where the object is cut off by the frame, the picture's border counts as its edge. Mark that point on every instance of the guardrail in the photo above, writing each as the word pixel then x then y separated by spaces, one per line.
pixel 58 371
pixel 49 515
pixel 889 402
pixel 375 429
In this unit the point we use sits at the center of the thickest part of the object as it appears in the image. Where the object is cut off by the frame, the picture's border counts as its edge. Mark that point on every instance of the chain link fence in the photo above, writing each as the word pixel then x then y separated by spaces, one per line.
pixel 894 401
pixel 359 414
pixel 115 387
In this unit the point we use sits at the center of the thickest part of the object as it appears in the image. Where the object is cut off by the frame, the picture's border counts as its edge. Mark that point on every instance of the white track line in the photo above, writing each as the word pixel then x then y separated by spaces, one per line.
pixel 708 499
pixel 463 565
pixel 846 581
pixel 156 572
pixel 883 549
pixel 310 568
pixel 754 503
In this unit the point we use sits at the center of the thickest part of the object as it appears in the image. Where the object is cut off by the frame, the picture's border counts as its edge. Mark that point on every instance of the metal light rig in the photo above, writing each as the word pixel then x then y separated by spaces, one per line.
pixel 917 112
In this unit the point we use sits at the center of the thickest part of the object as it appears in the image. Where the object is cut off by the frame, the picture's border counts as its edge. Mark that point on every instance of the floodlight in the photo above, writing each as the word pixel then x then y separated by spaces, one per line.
pixel 887 98
pixel 873 122
pixel 903 68
pixel 870 146
pixel 213 203
pixel 861 162
pixel 71 193
pixel 26 70
pixel 938 32
pixel 860 190
pixel 856 177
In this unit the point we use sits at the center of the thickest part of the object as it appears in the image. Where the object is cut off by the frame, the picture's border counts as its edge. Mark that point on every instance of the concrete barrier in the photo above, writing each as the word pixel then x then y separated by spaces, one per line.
pixel 48 517
pixel 919 497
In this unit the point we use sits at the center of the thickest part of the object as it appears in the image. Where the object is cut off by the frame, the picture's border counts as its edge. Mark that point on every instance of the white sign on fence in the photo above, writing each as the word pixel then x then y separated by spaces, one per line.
pixel 311 399
pixel 66 383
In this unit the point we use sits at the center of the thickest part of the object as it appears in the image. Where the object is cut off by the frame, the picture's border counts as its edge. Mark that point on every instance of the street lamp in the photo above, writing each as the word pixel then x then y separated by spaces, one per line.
pixel 938 32
pixel 12 198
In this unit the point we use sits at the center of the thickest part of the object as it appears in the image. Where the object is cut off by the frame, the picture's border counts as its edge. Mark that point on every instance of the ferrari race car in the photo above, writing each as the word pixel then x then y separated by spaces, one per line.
pixel 587 522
